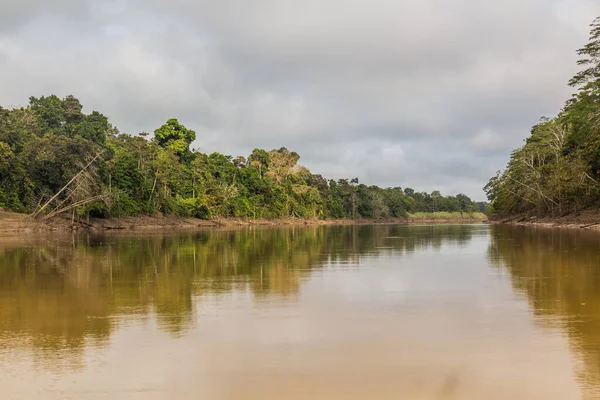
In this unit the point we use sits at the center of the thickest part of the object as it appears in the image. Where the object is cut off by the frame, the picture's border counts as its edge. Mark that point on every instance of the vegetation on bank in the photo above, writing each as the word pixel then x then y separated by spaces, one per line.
pixel 56 159
pixel 557 170
pixel 444 215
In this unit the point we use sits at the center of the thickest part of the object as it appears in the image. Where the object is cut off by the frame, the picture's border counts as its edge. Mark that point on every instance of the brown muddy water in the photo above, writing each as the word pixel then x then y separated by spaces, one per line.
pixel 463 312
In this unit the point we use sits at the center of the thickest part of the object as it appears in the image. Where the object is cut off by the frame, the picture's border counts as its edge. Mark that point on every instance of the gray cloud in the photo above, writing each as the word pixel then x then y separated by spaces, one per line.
pixel 14 14
pixel 431 94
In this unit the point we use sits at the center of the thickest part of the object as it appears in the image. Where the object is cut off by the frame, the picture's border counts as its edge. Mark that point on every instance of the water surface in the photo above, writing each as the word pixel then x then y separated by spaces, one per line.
pixel 364 312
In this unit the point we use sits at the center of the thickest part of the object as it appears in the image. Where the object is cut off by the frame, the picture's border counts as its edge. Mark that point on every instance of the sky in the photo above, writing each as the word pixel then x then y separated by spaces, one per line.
pixel 428 94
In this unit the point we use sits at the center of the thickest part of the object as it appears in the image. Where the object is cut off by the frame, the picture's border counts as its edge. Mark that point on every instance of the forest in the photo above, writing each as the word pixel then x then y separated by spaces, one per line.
pixel 557 170
pixel 55 159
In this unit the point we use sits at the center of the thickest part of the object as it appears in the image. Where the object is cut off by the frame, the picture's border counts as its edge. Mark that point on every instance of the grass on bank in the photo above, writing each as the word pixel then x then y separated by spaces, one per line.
pixel 447 215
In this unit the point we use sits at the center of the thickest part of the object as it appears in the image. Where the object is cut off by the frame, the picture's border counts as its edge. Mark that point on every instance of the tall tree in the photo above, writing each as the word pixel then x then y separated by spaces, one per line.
pixel 557 170
pixel 175 136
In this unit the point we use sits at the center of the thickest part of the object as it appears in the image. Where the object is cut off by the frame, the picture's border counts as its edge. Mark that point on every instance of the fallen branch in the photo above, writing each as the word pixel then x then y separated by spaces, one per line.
pixel 589 225
pixel 36 213
pixel 74 205
pixel 535 190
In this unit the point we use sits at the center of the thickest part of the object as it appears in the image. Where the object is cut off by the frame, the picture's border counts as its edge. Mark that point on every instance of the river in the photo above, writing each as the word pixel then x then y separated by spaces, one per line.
pixel 355 312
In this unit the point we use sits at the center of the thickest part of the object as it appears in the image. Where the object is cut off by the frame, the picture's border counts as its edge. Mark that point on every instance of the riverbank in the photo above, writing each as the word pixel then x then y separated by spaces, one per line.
pixel 20 223
pixel 587 219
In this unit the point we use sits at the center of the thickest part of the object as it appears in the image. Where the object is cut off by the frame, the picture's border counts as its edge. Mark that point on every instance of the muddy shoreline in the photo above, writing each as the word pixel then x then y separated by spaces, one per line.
pixel 588 219
pixel 11 223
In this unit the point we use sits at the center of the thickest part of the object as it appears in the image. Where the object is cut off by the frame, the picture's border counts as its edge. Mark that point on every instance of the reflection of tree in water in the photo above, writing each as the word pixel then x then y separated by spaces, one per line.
pixel 59 295
pixel 559 272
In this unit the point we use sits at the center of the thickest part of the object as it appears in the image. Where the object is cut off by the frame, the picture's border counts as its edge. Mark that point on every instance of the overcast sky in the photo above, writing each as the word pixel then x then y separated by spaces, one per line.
pixel 429 94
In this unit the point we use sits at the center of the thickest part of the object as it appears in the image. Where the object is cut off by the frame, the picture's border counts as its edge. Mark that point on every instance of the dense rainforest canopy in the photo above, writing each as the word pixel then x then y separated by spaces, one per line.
pixel 557 171
pixel 55 158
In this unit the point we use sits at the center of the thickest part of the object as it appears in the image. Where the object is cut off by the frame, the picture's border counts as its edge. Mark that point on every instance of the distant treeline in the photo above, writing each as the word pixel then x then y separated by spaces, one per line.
pixel 55 159
pixel 557 171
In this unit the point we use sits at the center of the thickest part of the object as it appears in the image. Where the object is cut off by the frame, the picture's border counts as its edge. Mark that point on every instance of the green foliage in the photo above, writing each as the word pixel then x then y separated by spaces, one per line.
pixel 6 158
pixel 557 170
pixel 124 204
pixel 193 207
pixel 53 160
pixel 444 215
pixel 64 117
pixel 174 136
pixel 44 145
pixel 9 179
pixel 590 60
